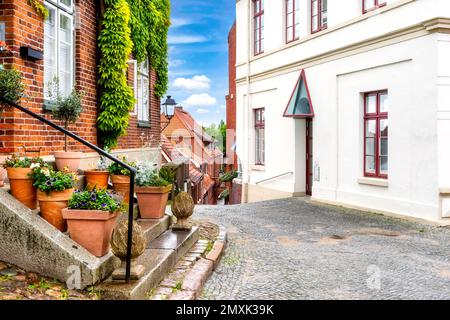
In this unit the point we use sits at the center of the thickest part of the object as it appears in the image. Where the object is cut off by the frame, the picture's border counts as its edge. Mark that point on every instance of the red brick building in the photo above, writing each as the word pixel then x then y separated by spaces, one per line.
pixel 205 158
pixel 68 42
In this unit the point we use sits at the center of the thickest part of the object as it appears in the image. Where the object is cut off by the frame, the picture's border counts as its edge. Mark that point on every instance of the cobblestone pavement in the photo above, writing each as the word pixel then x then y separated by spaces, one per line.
pixel 296 249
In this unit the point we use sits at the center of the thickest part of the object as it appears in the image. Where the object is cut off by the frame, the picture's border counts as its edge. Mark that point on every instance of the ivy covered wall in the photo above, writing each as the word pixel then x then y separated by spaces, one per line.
pixel 139 27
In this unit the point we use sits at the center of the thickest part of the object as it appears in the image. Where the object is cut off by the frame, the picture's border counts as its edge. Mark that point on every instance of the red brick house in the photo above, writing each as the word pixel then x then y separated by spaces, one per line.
pixel 231 97
pixel 205 158
pixel 67 40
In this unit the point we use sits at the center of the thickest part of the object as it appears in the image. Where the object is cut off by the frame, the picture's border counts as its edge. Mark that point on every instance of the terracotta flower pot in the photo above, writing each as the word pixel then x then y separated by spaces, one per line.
pixel 97 179
pixel 2 176
pixel 152 201
pixel 92 229
pixel 121 184
pixel 22 186
pixel 51 205
pixel 71 160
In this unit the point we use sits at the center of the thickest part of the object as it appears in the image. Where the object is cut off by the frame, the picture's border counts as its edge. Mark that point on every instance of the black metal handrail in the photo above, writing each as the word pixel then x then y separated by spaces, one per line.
pixel 102 152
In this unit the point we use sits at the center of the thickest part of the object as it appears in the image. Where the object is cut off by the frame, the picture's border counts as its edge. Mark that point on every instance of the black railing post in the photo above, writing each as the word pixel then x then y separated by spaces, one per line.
pixel 130 227
pixel 102 152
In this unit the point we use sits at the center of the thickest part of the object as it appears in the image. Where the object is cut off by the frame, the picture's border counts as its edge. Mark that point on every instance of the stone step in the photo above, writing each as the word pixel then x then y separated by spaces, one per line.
pixel 161 255
pixel 153 228
pixel 31 243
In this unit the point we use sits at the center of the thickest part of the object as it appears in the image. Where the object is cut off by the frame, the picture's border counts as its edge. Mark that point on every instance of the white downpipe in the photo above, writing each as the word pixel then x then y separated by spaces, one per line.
pixel 247 106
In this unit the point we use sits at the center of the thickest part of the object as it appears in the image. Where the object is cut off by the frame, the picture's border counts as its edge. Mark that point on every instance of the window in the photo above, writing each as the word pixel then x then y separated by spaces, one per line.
pixel 59 46
pixel 319 9
pixel 376 134
pixel 258 26
pixel 292 20
pixel 143 92
pixel 369 5
pixel 259 137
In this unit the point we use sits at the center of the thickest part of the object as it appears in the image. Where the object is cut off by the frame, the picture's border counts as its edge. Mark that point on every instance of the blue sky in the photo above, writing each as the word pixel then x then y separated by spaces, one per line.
pixel 198 56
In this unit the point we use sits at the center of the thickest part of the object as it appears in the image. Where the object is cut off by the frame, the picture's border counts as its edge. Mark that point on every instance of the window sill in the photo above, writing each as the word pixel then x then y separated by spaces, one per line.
pixel 445 191
pixel 49 106
pixel 258 167
pixel 374 182
pixel 144 124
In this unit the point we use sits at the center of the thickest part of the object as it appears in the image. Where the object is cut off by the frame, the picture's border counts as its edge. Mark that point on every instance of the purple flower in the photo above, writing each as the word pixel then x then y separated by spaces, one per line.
pixel 93 197
pixel 83 204
pixel 48 183
pixel 103 205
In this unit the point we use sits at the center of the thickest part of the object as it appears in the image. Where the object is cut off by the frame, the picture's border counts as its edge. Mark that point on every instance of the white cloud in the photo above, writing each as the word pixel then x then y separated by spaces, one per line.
pixel 195 83
pixel 202 111
pixel 179 22
pixel 185 39
pixel 176 62
pixel 200 100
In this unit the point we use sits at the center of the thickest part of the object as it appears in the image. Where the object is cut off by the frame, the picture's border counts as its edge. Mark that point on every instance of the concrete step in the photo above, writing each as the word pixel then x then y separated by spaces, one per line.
pixel 31 243
pixel 161 255
pixel 153 228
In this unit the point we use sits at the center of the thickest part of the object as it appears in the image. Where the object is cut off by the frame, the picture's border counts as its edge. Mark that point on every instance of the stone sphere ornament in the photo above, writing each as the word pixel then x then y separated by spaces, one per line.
pixel 182 208
pixel 119 242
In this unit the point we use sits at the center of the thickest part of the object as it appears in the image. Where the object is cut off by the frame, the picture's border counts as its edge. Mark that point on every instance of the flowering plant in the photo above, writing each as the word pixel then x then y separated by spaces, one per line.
pixel 96 199
pixel 47 180
pixel 117 169
pixel 4 47
pixel 147 175
pixel 17 162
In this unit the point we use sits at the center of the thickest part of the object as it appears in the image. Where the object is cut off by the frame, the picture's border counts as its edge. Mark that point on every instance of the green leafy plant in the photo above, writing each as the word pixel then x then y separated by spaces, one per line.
pixel 96 199
pixel 117 98
pixel 229 176
pixel 17 162
pixel 67 109
pixel 11 85
pixel 147 175
pixel 168 173
pixel 225 194
pixel 39 8
pixel 48 180
pixel 117 169
pixel 149 23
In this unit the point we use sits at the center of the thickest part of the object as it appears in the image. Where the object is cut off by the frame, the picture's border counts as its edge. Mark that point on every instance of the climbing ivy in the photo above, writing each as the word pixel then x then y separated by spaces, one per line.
pixel 39 8
pixel 150 21
pixel 117 98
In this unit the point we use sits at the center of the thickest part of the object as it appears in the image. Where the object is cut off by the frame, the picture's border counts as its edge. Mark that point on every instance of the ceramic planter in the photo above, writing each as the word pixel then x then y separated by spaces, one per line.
pixel 71 160
pixel 22 186
pixel 51 206
pixel 121 184
pixel 92 229
pixel 152 201
pixel 96 179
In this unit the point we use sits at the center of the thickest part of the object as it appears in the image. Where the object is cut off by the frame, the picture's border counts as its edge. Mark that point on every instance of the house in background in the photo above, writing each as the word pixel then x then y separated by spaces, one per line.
pixel 183 135
pixel 346 101
pixel 67 40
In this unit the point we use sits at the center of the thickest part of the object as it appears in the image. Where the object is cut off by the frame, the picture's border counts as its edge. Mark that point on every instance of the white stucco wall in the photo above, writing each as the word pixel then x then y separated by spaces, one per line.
pixel 414 68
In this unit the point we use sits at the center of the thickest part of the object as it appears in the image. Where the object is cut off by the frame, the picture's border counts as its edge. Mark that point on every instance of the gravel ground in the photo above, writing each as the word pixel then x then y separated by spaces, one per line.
pixel 296 249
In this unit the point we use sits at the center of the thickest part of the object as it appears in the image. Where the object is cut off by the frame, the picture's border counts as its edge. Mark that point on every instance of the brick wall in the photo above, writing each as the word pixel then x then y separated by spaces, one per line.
pixel 231 97
pixel 25 28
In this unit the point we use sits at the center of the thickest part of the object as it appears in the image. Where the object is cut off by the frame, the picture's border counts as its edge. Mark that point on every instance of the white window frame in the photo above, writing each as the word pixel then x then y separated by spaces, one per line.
pixel 140 76
pixel 61 9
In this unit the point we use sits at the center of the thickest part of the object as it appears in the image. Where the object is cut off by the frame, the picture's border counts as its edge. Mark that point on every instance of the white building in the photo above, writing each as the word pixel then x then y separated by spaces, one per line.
pixel 372 105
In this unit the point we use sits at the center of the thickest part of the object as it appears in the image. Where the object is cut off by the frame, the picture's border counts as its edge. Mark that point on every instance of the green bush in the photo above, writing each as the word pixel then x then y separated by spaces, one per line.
pixel 11 85
pixel 229 176
pixel 117 169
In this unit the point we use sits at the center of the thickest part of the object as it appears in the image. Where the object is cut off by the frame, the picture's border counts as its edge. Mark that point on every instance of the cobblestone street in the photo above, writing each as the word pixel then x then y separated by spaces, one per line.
pixel 295 249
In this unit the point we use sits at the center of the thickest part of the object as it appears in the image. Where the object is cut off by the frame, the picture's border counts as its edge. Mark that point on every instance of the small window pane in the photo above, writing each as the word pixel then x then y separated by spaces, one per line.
pixel 371 128
pixel 290 18
pixel 315 7
pixel 314 24
pixel 67 3
pixel 384 128
pixel 370 147
pixel 370 164
pixel 289 6
pixel 383 147
pixel 383 165
pixel 384 105
pixel 289 34
pixel 371 103
pixel 369 4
